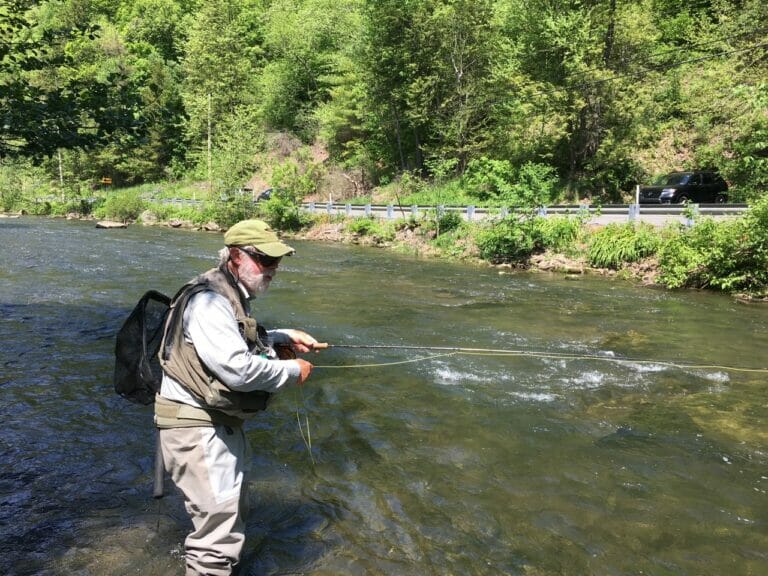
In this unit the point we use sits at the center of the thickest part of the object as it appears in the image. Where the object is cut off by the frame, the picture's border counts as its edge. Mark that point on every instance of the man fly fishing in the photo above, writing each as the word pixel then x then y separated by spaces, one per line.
pixel 219 368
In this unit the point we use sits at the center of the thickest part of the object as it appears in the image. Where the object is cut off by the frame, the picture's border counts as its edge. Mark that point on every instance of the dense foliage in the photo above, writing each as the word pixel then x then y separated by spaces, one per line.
pixel 730 255
pixel 527 102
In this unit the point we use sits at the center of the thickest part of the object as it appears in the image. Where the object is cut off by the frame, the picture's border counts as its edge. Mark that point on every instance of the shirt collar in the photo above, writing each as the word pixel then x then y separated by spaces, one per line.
pixel 244 291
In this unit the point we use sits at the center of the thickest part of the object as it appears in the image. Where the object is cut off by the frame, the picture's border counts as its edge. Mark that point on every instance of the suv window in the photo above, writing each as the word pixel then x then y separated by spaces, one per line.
pixel 675 179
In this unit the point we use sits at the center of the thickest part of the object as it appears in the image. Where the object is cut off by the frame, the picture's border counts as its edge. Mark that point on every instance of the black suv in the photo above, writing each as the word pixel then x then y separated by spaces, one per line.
pixel 681 187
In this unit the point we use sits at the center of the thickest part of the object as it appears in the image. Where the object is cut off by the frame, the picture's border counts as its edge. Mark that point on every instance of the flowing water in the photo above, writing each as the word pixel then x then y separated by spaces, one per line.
pixel 421 463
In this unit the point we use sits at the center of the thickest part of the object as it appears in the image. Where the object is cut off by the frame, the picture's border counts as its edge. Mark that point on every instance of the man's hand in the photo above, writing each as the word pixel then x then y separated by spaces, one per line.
pixel 306 370
pixel 301 342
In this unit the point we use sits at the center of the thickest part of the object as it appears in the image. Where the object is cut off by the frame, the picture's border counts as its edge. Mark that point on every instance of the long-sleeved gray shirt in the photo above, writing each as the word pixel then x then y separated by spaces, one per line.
pixel 210 325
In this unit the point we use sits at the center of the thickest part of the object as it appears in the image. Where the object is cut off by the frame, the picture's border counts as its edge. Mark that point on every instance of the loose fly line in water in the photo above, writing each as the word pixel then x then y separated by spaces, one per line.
pixel 445 351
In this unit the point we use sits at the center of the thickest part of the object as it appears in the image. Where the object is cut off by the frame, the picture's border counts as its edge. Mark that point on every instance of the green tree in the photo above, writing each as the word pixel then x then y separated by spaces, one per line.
pixel 44 106
pixel 221 58
pixel 391 66
pixel 158 23
pixel 306 41
pixel 428 66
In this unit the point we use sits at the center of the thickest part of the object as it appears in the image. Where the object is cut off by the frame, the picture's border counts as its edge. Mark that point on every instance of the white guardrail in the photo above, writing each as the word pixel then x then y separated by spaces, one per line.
pixel 653 213
pixel 656 214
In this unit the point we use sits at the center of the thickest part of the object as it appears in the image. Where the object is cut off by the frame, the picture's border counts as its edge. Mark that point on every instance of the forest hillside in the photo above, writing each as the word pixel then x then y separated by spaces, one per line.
pixel 591 96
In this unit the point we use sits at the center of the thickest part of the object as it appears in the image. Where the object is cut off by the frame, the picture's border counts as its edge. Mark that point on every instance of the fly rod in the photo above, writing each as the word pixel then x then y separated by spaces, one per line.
pixel 462 349
pixel 325 346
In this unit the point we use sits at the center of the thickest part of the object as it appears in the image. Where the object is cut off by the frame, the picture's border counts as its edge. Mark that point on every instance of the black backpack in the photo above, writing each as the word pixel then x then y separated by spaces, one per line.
pixel 138 373
pixel 137 368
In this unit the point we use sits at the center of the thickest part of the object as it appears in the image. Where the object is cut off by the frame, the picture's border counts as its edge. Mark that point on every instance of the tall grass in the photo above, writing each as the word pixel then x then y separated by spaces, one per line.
pixel 618 244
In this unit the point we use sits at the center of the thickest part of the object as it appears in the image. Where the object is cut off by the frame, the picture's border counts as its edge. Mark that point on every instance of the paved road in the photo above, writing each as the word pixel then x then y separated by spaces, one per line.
pixel 652 214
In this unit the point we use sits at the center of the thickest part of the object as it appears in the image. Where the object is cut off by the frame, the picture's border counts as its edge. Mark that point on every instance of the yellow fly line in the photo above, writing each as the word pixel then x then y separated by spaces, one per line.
pixel 449 351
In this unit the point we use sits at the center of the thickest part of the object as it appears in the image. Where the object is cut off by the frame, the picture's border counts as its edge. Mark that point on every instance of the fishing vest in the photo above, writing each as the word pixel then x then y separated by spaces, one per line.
pixel 180 361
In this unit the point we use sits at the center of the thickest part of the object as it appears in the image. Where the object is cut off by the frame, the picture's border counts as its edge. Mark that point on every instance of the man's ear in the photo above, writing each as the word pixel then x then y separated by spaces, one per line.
pixel 235 255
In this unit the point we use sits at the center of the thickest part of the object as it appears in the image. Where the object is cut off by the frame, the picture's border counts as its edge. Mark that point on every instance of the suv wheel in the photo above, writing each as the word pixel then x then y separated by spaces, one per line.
pixel 721 199
pixel 682 199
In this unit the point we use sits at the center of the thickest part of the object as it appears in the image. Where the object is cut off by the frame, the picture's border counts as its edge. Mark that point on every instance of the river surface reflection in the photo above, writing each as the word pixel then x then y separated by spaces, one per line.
pixel 424 463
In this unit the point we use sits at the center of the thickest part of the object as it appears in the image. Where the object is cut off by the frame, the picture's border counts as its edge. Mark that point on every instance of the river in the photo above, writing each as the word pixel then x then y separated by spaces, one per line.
pixel 422 462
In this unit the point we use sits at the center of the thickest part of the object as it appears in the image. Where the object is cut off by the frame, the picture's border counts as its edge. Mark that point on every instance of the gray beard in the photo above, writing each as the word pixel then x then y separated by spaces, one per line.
pixel 261 285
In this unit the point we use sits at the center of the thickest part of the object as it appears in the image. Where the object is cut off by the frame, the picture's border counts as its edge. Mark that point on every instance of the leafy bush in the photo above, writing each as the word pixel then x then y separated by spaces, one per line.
pixel 531 185
pixel 283 211
pixel 11 198
pixel 194 214
pixel 38 208
pixel 731 255
pixel 454 243
pixel 20 184
pixel 362 226
pixel 511 240
pixel 747 168
pixel 486 178
pixel 230 209
pixel 295 182
pixel 411 185
pixel 683 256
pixel 515 239
pixel 122 206
pixel 372 227
pixel 451 193
pixel 440 222
pixel 535 185
pixel 448 221
pixel 290 184
pixel 560 233
pixel 617 244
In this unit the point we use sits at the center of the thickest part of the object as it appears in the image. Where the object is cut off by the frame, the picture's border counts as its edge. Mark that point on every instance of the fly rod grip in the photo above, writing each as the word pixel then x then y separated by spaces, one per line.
pixel 320 346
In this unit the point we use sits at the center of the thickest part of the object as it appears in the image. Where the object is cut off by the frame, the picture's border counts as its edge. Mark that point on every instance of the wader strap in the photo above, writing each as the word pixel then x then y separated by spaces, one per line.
pixel 170 414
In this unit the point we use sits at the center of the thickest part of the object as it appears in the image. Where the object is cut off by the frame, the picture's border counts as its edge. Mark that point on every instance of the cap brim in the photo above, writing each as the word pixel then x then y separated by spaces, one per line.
pixel 274 249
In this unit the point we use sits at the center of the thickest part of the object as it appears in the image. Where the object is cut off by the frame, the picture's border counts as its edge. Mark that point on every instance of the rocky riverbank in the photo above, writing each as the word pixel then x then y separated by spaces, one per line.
pixel 406 240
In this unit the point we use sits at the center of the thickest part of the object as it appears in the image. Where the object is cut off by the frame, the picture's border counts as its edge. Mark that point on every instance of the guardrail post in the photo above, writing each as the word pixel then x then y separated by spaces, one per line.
pixel 415 211
pixel 368 210
pixel 440 210
pixel 470 212
pixel 329 208
pixel 311 207
pixel 690 220
pixel 633 212
pixel 542 211
pixel 348 210
pixel 390 211
pixel 503 212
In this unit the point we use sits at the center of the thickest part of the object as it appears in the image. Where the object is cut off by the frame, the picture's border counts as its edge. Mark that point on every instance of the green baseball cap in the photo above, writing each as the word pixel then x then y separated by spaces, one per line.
pixel 258 234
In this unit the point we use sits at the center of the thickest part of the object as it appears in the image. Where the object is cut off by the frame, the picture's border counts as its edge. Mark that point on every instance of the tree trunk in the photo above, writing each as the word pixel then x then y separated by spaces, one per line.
pixel 609 35
pixel 399 138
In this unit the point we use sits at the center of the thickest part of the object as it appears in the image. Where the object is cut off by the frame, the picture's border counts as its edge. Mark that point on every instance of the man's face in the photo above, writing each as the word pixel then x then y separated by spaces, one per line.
pixel 256 271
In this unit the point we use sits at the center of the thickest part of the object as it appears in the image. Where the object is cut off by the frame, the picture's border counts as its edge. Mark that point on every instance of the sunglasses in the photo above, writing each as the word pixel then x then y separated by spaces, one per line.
pixel 263 259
